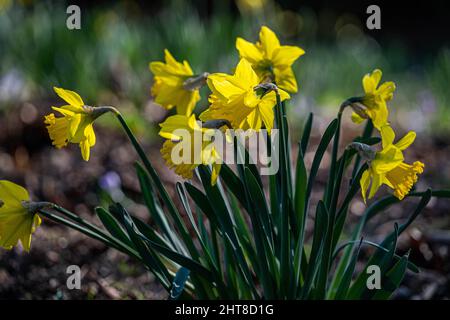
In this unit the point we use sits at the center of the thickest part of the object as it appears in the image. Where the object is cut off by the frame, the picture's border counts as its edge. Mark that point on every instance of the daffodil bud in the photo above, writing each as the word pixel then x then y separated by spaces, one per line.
pixel 196 82
pixel 365 151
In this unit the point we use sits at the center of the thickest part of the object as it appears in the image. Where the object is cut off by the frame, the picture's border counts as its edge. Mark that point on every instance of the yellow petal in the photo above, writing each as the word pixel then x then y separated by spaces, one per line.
pixel 248 51
pixel 176 122
pixel 267 114
pixel 406 141
pixel 380 115
pixel 90 134
pixel 85 149
pixel 376 76
pixel 376 184
pixel 245 74
pixel 386 90
pixel 70 97
pixel 187 102
pixel 285 79
pixel 387 159
pixel 215 173
pixel 268 41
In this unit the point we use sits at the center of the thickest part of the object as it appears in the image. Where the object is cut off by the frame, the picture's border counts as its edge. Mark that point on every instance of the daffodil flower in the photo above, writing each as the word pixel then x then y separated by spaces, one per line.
pixel 18 220
pixel 235 99
pixel 387 166
pixel 185 134
pixel 174 84
pixel 76 123
pixel 271 61
pixel 373 104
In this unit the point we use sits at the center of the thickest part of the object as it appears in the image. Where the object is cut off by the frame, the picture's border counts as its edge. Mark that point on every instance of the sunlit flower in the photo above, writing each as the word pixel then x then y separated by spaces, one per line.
pixel 374 101
pixel 388 166
pixel 175 84
pixel 235 99
pixel 186 142
pixel 75 125
pixel 17 221
pixel 271 61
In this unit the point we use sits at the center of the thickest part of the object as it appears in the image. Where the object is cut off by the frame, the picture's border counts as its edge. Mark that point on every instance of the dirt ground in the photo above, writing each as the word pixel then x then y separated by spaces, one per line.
pixel 60 176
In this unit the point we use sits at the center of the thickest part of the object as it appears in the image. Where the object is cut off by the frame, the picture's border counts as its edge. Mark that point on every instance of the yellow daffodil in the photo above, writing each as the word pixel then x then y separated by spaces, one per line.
pixel 388 167
pixel 175 84
pixel 185 134
pixel 235 99
pixel 271 61
pixel 373 104
pixel 75 125
pixel 17 221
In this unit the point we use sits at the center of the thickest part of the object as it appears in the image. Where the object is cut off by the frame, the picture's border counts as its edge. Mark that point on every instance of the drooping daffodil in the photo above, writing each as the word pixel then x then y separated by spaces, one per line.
pixel 186 146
